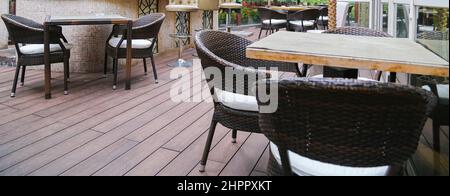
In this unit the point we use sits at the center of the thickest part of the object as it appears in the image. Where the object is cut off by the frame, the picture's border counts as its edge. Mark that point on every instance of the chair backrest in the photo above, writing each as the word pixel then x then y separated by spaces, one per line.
pixel 221 51
pixel 268 14
pixel 23 30
pixel 148 26
pixel 357 31
pixel 309 14
pixel 348 122
pixel 323 11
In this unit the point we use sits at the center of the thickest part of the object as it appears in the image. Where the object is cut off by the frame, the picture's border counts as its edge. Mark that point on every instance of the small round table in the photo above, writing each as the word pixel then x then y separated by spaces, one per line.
pixel 182 33
pixel 180 62
pixel 228 7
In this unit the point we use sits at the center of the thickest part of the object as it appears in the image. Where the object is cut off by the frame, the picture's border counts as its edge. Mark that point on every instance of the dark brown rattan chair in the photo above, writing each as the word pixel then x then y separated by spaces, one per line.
pixel 28 38
pixel 302 21
pixel 369 126
pixel 271 20
pixel 323 19
pixel 220 52
pixel 144 35
pixel 440 114
pixel 358 31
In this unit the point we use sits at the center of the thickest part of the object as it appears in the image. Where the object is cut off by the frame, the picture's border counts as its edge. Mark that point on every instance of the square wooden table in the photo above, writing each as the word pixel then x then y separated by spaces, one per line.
pixel 99 19
pixel 345 51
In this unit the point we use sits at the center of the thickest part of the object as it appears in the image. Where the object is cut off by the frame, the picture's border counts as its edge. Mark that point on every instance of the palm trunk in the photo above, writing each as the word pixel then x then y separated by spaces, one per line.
pixel 332 14
pixel 442 20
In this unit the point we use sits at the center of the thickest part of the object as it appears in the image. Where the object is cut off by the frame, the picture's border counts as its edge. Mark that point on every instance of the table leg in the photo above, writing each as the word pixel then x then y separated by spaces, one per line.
pixel 129 57
pixel 393 77
pixel 47 68
pixel 228 21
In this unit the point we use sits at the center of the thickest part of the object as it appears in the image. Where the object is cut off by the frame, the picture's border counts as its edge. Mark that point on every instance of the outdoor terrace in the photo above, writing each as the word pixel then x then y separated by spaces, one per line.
pixel 97 131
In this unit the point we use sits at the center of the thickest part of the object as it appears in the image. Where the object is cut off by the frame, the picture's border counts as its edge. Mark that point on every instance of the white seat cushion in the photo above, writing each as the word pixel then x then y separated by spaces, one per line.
pixel 274 21
pixel 325 18
pixel 359 78
pixel 135 44
pixel 315 31
pixel 39 48
pixel 303 166
pixel 442 92
pixel 237 101
pixel 306 23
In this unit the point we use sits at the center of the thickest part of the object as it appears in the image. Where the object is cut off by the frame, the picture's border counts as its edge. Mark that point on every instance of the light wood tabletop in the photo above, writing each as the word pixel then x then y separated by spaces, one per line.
pixel 357 52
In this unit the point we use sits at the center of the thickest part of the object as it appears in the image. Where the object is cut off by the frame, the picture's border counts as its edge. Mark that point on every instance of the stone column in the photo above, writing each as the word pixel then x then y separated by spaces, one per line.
pixel 4 5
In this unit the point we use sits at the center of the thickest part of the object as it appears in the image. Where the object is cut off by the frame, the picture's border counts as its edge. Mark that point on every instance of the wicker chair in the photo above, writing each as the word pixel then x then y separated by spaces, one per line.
pixel 271 20
pixel 352 73
pixel 440 114
pixel 323 19
pixel 28 39
pixel 344 126
pixel 302 21
pixel 234 107
pixel 145 35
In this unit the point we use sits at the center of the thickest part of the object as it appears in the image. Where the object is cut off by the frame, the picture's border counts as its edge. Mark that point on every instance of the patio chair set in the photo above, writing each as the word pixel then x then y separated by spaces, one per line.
pixel 28 39
pixel 299 21
pixel 336 125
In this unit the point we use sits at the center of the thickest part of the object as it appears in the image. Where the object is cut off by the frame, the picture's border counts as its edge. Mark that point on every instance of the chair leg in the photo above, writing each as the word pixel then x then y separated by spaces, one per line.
pixel 145 66
pixel 260 32
pixel 16 77
pixel 436 135
pixel 155 73
pixel 22 78
pixel 212 129
pixel 105 66
pixel 115 70
pixel 234 136
pixel 66 76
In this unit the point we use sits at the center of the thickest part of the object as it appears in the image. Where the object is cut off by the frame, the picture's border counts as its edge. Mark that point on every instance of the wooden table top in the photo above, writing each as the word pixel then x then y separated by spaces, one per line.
pixel 87 19
pixel 358 52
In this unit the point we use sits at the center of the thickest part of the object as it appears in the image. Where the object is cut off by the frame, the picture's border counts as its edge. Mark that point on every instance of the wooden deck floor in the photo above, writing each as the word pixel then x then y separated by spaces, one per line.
pixel 98 131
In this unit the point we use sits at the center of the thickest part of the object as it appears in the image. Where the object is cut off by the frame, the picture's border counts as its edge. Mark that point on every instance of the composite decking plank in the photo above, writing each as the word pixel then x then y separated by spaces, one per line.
pixel 225 150
pixel 30 138
pixel 68 161
pixel 7 77
pixel 99 160
pixel 47 156
pixel 213 168
pixel 31 88
pixel 245 160
pixel 17 123
pixel 154 163
pixel 263 162
pixel 108 125
pixel 153 143
pixel 54 139
pixel 184 163
pixel 186 137
pixel 136 155
pixel 85 100
pixel 258 173
pixel 23 102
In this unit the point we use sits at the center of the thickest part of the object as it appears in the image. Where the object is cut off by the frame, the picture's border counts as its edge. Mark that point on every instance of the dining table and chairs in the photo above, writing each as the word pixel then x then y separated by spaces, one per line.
pixel 327 125
pixel 45 44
